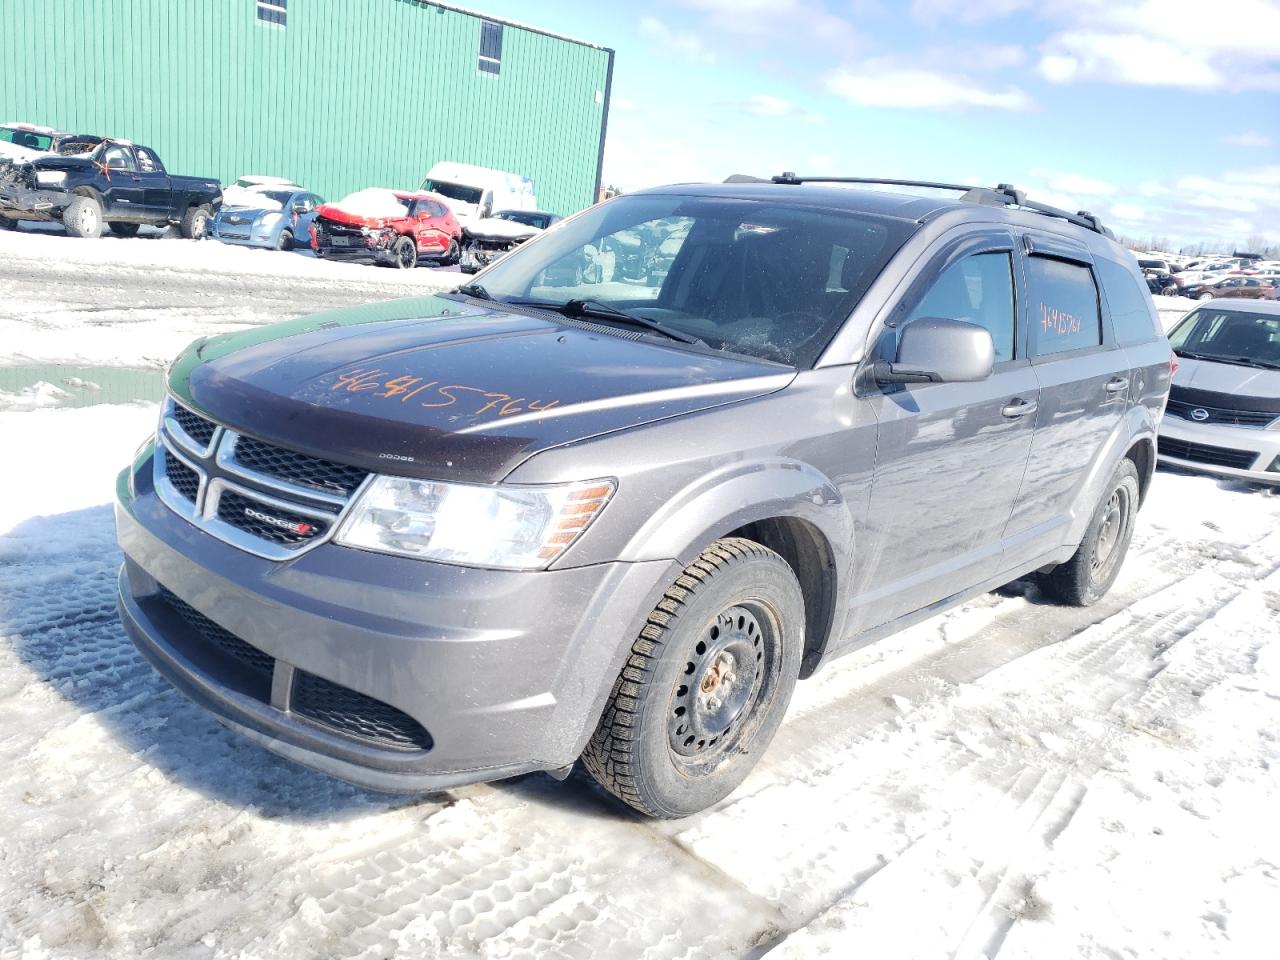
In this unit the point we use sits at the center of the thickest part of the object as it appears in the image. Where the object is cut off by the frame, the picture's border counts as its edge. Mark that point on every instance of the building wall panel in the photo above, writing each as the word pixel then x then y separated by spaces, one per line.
pixel 351 93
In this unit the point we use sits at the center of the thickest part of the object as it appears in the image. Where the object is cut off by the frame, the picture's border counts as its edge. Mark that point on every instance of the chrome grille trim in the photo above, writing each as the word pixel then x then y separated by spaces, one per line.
pixel 218 457
pixel 190 444
pixel 227 461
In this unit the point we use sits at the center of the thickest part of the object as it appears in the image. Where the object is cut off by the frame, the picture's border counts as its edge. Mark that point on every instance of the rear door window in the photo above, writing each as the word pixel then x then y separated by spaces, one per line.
pixel 977 289
pixel 1133 315
pixel 1064 307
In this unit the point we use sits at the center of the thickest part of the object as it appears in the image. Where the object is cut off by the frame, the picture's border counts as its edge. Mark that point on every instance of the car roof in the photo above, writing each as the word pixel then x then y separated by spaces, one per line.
pixel 1265 308
pixel 891 203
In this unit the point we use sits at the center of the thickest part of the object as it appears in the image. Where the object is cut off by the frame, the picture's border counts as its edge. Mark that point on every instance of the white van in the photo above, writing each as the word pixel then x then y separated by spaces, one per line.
pixel 477 192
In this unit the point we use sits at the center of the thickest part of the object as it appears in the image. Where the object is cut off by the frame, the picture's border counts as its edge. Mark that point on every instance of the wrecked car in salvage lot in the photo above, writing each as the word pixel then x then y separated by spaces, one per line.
pixel 484 241
pixel 460 538
pixel 92 181
pixel 388 228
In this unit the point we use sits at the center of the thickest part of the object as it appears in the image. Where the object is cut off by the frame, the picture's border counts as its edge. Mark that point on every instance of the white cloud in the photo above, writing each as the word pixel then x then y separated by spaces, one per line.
pixel 765 21
pixel 684 44
pixel 1128 213
pixel 1125 58
pixel 764 105
pixel 882 83
pixel 1073 183
pixel 1250 138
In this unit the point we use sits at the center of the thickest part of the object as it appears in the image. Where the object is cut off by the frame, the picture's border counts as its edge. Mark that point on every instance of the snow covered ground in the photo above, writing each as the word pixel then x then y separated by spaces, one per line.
pixel 1011 778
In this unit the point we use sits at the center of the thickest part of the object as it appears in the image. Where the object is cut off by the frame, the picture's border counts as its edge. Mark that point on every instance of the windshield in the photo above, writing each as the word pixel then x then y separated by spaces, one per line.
pixel 454 191
pixel 538 220
pixel 1228 335
pixel 75 147
pixel 26 138
pixel 770 280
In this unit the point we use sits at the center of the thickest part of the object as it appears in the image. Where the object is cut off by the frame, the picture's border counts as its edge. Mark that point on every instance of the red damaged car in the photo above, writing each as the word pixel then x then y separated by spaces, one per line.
pixel 387 227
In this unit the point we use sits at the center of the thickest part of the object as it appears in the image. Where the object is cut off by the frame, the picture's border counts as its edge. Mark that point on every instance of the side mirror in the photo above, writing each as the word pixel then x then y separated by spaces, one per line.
pixel 938 350
pixel 299 208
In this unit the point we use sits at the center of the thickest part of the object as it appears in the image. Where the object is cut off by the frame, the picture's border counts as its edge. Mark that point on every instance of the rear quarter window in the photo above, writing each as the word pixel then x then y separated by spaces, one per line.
pixel 1064 307
pixel 1133 314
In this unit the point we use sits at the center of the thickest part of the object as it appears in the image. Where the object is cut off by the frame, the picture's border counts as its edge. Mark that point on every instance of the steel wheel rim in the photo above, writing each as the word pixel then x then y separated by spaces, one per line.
pixel 1114 522
pixel 729 669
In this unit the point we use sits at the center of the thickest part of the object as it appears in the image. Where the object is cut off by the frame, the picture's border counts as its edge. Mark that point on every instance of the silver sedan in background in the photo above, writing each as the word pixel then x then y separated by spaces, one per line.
pixel 1223 415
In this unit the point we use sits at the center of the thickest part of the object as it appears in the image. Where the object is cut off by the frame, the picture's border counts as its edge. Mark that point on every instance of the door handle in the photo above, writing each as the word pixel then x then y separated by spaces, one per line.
pixel 1117 384
pixel 1018 408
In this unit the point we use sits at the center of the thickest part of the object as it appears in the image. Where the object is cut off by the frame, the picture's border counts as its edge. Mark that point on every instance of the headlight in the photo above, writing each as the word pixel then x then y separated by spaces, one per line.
pixel 508 527
pixel 50 178
pixel 270 219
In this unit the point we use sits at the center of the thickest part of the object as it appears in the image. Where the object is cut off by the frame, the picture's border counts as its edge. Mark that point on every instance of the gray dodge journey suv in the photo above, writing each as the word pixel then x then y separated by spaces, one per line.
pixel 612 499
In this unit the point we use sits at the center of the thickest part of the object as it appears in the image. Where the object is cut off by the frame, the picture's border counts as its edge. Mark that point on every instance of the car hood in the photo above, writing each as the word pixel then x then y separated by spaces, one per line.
pixel 1229 378
pixel 495 229
pixel 330 211
pixel 444 389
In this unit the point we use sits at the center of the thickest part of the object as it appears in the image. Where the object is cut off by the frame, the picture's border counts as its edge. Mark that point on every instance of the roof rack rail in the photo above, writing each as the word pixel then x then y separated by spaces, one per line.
pixel 1003 194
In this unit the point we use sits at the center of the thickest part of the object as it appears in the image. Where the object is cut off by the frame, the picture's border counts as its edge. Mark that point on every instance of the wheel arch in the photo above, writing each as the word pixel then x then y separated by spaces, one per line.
pixel 1143 454
pixel 808 552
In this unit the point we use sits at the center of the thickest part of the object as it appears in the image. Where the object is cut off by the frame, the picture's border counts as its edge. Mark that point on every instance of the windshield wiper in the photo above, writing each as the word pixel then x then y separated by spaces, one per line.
pixel 1248 362
pixel 1193 356
pixel 596 308
pixel 474 290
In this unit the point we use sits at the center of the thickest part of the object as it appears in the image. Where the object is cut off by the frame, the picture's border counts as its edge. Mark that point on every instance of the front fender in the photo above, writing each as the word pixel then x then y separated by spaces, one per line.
pixel 739 494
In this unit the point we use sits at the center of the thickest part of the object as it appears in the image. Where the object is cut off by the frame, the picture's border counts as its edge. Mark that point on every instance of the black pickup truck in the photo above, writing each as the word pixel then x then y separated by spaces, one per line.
pixel 91 181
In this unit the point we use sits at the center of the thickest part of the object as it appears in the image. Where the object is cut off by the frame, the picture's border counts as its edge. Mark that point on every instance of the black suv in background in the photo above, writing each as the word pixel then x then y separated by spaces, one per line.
pixel 616 511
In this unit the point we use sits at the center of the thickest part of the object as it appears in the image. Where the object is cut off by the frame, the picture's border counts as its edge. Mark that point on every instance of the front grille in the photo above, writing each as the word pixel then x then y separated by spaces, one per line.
pixel 193 425
pixel 298 468
pixel 1203 453
pixel 1239 418
pixel 185 480
pixel 353 714
pixel 250 656
pixel 267 522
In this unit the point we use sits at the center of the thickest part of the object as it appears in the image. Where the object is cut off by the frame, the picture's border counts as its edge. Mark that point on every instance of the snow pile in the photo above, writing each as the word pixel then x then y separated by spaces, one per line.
pixel 253 198
pixel 373 202
pixel 38 395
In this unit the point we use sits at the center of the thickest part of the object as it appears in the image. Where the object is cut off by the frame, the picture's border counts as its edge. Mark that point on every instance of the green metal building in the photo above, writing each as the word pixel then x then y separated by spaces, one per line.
pixel 334 94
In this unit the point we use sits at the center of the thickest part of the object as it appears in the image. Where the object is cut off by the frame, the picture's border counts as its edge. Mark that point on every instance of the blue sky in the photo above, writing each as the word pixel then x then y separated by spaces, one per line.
pixel 1163 116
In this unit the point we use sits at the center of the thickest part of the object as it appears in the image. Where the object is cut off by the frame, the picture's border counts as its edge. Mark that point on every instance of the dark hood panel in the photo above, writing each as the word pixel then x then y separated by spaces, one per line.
pixel 443 390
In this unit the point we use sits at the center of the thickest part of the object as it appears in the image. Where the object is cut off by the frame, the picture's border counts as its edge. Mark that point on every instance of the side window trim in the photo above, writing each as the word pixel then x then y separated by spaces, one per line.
pixel 951 251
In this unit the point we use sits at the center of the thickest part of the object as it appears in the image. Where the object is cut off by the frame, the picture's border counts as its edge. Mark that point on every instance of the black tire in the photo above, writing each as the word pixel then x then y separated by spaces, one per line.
pixel 195 222
pixel 406 253
pixel 123 229
pixel 7 224
pixel 285 241
pixel 1084 579
pixel 1170 291
pixel 1205 296
pixel 83 218
pixel 679 730
pixel 453 255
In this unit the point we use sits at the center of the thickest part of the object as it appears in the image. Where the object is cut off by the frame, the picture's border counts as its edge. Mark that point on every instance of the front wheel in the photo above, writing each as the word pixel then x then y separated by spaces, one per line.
pixel 7 224
pixel 83 218
pixel 705 685
pixel 1084 579
pixel 406 253
pixel 1171 291
pixel 1205 296
pixel 285 240
pixel 452 255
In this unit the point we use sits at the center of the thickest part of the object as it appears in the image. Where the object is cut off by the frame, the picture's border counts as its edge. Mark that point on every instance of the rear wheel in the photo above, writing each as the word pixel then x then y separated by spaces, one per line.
pixel 705 685
pixel 406 253
pixel 1205 296
pixel 1088 575
pixel 83 217
pixel 285 241
pixel 1170 291
pixel 123 229
pixel 195 222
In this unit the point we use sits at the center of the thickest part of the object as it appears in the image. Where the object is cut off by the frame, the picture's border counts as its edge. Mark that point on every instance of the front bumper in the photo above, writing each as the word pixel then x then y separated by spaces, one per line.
pixel 1243 453
pixel 18 202
pixel 256 238
pixel 506 671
